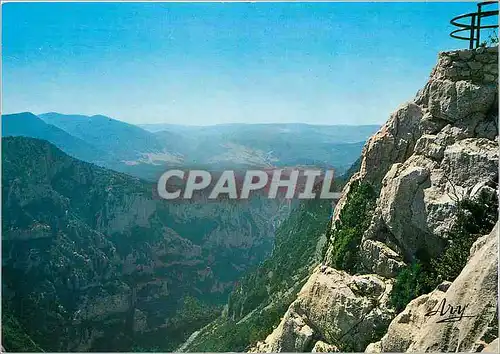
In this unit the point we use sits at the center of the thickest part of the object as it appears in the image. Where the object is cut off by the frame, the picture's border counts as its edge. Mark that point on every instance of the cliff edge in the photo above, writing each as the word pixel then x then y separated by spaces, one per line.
pixel 433 159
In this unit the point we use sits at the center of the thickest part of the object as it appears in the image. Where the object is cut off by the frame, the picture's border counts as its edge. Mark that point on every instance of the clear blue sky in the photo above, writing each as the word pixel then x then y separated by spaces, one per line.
pixel 199 63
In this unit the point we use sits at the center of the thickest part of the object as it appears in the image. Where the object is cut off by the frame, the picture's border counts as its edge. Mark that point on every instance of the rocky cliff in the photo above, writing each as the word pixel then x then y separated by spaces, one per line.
pixel 433 168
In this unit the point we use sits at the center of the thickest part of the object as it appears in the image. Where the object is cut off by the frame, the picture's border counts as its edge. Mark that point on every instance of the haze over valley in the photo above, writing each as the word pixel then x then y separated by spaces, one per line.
pixel 124 253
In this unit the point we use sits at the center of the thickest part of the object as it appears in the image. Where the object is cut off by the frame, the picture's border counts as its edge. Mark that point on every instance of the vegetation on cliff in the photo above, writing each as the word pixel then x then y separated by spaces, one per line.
pixel 353 220
pixel 475 217
pixel 14 336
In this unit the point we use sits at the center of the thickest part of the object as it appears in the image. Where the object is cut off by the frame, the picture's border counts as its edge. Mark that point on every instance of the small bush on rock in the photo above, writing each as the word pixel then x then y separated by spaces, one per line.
pixel 475 218
pixel 353 220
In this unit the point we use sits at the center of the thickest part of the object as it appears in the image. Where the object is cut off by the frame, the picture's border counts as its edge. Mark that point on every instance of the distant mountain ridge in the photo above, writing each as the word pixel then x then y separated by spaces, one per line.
pixel 340 133
pixel 135 271
pixel 133 150
pixel 120 138
pixel 29 125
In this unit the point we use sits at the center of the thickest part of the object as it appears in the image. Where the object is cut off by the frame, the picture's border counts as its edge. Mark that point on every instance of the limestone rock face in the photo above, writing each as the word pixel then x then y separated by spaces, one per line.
pixel 322 347
pixel 448 152
pixel 380 258
pixel 432 153
pixel 393 143
pixel 342 310
pixel 427 323
pixel 292 335
pixel 455 100
pixel 418 198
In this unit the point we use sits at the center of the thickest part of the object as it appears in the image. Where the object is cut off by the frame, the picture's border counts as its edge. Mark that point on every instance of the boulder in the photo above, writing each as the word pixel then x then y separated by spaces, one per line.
pixel 322 347
pixel 344 310
pixel 292 335
pixel 455 100
pixel 378 258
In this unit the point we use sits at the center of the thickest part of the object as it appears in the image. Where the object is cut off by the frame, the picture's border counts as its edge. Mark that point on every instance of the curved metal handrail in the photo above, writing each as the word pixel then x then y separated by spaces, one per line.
pixel 475 26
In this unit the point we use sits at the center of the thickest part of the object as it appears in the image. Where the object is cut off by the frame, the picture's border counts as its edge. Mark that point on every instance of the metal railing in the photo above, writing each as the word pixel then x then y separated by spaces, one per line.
pixel 475 27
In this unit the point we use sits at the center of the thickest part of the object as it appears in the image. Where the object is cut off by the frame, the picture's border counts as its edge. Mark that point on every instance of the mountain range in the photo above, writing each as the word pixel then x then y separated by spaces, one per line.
pixel 91 254
pixel 146 153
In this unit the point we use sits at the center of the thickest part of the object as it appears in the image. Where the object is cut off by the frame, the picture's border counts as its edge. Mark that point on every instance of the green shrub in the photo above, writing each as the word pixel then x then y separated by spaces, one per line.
pixel 474 219
pixel 353 220
pixel 411 282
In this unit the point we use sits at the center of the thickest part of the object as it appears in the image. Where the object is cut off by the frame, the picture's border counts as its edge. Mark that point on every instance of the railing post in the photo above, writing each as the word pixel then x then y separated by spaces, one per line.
pixel 472 27
pixel 478 30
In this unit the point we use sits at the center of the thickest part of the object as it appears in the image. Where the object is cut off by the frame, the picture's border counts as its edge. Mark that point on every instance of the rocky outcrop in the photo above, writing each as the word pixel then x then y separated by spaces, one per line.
pixel 334 307
pixel 455 317
pixel 432 153
pixel 442 151
pixel 322 347
pixel 393 143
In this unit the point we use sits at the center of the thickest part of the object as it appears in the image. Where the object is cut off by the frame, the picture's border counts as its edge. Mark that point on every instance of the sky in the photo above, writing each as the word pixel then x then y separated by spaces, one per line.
pixel 213 63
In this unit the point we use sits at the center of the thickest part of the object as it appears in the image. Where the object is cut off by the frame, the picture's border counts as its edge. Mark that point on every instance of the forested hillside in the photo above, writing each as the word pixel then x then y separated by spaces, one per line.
pixel 91 260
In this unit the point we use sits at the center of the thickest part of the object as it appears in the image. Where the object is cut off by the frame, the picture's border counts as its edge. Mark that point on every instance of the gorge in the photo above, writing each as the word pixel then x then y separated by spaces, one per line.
pixel 92 262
